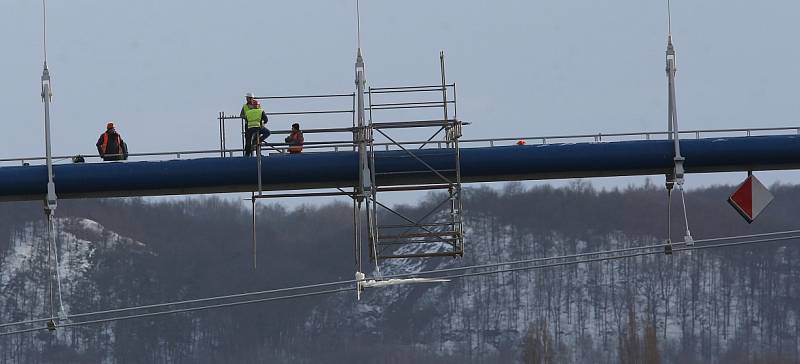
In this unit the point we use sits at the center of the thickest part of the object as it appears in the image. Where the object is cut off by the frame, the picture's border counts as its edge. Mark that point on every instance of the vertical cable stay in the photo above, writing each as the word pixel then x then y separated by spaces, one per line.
pixel 669 19
pixel 676 176
pixel 358 26
pixel 56 264
pixel 51 200
pixel 50 274
pixel 364 189
pixel 688 237
pixel 44 31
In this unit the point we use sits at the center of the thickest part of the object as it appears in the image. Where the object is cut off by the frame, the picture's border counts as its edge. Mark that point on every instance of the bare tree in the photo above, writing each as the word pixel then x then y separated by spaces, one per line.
pixel 651 354
pixel 538 347
pixel 629 343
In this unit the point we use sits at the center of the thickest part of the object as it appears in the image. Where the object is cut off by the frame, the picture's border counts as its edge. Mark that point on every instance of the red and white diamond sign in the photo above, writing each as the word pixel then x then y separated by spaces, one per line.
pixel 750 198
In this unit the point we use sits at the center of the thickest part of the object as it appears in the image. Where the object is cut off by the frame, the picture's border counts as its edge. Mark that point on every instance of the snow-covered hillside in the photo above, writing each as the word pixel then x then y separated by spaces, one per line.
pixel 25 279
pixel 731 305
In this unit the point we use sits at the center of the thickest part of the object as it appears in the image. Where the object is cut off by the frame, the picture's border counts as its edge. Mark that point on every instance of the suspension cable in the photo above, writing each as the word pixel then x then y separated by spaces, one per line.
pixel 358 25
pixel 192 309
pixel 669 19
pixel 446 270
pixel 464 275
pixel 186 302
pixel 44 30
pixel 612 251
pixel 631 255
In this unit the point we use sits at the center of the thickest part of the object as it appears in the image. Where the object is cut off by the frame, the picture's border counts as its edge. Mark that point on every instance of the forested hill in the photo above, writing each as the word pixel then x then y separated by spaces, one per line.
pixel 727 305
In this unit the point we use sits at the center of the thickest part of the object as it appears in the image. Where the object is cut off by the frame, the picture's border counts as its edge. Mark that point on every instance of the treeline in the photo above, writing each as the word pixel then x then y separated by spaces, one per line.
pixel 726 305
pixel 735 304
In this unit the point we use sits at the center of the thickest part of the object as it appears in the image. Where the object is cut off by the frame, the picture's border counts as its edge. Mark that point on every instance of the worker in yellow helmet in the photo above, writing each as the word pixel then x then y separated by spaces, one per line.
pixel 254 118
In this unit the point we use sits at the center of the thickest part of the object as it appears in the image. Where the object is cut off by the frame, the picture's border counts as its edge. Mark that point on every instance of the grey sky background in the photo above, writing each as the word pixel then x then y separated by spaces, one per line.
pixel 162 70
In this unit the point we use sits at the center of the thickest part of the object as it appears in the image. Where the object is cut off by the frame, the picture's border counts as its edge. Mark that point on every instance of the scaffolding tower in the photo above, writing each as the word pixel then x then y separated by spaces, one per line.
pixel 439 230
pixel 382 120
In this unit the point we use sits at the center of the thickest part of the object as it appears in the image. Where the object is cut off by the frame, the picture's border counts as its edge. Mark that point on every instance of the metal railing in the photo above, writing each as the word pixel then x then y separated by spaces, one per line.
pixel 223 118
pixel 348 145
pixel 646 135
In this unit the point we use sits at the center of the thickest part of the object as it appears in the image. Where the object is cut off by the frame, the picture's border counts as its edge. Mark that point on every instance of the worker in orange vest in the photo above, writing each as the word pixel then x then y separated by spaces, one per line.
pixel 110 145
pixel 295 139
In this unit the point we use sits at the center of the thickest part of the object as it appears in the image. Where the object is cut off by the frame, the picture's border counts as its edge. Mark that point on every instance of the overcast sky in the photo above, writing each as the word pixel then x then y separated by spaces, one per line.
pixel 162 70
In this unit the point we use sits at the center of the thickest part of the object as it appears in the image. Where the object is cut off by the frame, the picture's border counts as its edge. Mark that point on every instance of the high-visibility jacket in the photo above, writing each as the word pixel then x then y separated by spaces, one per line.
pixel 112 143
pixel 295 141
pixel 252 115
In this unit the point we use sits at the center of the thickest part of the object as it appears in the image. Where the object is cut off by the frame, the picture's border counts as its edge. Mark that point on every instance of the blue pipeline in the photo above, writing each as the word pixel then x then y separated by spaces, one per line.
pixel 340 169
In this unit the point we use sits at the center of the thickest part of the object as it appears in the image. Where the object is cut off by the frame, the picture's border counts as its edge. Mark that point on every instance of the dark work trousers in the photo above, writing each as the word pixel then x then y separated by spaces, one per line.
pixel 248 136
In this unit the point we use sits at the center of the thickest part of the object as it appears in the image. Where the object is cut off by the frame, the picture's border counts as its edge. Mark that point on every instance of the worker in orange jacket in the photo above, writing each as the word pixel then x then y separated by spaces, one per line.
pixel 110 145
pixel 295 139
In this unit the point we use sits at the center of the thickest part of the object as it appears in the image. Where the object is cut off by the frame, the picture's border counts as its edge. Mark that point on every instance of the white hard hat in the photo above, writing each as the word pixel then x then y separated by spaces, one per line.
pixel 249 94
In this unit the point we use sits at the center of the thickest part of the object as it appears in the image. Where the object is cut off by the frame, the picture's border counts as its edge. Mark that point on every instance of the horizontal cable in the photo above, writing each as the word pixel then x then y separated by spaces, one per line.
pixel 455 276
pixel 632 255
pixel 445 270
pixel 151 314
pixel 184 302
pixel 533 260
